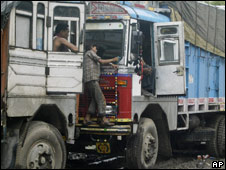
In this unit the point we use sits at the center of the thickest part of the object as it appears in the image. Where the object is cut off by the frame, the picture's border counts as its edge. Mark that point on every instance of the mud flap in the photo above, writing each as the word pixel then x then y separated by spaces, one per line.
pixel 165 148
pixel 8 151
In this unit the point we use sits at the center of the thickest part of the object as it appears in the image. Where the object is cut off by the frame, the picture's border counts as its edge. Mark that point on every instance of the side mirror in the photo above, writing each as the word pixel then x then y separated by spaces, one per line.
pixel 136 41
pixel 81 37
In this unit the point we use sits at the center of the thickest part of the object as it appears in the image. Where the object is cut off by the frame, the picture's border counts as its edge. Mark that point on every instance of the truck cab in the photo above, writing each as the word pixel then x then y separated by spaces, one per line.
pixel 134 35
pixel 126 32
pixel 39 85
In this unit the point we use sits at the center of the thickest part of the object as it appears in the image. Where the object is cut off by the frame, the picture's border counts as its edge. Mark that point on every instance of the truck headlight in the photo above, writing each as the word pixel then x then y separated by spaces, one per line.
pixel 109 109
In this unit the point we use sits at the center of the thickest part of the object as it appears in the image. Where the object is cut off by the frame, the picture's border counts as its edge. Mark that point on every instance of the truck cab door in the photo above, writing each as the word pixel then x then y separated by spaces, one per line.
pixel 64 69
pixel 169 58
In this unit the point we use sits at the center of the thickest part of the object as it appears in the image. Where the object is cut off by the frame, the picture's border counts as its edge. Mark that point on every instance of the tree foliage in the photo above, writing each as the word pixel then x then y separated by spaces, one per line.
pixel 215 2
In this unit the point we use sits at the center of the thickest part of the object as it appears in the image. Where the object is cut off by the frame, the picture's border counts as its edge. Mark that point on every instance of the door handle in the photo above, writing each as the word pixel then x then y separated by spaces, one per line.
pixel 179 71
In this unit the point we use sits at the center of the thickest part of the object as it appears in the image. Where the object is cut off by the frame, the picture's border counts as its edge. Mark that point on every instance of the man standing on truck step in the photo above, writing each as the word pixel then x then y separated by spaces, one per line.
pixel 91 79
pixel 60 42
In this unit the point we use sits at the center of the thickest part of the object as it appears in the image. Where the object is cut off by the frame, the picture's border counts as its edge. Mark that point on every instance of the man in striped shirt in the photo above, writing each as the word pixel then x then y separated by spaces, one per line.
pixel 91 79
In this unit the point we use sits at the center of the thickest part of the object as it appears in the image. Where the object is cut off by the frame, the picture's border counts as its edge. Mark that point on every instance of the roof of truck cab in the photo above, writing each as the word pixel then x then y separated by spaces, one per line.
pixel 145 15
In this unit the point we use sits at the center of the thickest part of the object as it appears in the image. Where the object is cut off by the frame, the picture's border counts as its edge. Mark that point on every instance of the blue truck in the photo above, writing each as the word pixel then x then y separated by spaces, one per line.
pixel 187 105
pixel 43 95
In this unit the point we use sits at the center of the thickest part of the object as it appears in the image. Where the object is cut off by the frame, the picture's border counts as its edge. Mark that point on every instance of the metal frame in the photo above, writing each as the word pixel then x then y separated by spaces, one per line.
pixel 52 5
pixel 12 36
pixel 169 67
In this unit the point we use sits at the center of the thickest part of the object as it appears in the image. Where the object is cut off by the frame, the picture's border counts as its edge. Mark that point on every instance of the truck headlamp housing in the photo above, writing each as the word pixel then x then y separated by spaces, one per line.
pixel 122 83
pixel 110 110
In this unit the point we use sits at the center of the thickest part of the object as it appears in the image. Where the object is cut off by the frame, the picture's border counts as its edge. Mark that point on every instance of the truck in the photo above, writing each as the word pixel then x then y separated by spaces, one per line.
pixel 39 86
pixel 43 99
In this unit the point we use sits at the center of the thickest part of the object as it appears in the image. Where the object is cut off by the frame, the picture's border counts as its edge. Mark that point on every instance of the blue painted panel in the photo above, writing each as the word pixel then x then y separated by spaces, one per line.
pixel 213 76
pixel 222 77
pixel 192 72
pixel 187 56
pixel 205 73
pixel 146 15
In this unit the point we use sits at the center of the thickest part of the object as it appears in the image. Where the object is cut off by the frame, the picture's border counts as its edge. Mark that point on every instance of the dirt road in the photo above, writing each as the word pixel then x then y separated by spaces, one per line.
pixel 178 161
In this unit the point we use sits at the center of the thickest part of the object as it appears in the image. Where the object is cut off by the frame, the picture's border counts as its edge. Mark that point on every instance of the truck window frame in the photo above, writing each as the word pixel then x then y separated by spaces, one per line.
pixel 123 36
pixel 162 37
pixel 176 52
pixel 28 15
pixel 42 18
pixel 68 20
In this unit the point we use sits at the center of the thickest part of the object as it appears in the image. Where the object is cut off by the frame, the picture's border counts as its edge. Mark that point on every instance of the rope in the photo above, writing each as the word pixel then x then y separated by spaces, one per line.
pixel 208 28
pixel 215 33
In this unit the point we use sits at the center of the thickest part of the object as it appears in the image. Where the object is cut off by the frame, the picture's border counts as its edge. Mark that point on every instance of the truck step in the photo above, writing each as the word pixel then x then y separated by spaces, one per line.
pixel 110 130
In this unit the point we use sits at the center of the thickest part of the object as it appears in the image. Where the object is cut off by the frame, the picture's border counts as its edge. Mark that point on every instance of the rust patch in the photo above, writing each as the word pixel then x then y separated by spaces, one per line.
pixel 4 57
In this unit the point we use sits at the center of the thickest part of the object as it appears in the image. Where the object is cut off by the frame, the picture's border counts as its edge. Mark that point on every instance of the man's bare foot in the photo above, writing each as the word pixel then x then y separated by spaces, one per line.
pixel 105 122
pixel 87 120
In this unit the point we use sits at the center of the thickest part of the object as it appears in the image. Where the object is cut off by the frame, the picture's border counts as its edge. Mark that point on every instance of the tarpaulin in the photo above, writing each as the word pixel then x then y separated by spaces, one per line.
pixel 204 24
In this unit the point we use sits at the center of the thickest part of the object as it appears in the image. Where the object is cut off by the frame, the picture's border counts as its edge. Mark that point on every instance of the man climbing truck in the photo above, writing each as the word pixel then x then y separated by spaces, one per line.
pixel 42 118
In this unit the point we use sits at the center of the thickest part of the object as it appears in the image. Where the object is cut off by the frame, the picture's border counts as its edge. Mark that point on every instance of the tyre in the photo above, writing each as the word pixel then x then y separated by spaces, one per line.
pixel 221 138
pixel 216 146
pixel 145 148
pixel 42 148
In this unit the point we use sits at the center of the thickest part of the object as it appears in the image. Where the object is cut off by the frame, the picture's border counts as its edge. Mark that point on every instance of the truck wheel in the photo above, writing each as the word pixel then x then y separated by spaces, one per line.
pixel 146 144
pixel 216 146
pixel 221 138
pixel 42 147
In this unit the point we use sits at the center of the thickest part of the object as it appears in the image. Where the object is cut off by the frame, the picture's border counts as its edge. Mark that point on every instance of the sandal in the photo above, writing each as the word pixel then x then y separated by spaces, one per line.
pixel 105 124
pixel 87 123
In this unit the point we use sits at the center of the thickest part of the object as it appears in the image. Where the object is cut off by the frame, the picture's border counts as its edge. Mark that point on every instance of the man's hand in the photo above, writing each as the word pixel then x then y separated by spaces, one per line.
pixel 115 59
pixel 114 66
pixel 147 71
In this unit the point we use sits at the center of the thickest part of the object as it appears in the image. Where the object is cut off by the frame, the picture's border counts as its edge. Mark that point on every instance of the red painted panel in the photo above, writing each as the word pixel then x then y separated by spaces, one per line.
pixel 122 98
pixel 125 98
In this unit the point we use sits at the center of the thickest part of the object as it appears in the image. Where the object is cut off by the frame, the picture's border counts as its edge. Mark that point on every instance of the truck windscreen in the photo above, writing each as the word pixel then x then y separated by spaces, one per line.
pixel 109 42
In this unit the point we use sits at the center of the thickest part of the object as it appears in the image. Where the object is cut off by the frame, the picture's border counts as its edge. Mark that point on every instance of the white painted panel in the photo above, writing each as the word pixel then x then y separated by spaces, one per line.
pixel 26 72
pixel 167 81
pixel 104 26
pixel 170 71
pixel 30 83
pixel 136 86
pixel 65 73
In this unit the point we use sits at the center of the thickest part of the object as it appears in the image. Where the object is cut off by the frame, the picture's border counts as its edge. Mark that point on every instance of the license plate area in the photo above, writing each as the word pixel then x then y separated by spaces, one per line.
pixel 103 147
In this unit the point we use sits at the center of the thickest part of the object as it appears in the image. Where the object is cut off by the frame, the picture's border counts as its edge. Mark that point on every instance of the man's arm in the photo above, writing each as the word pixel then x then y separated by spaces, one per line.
pixel 69 45
pixel 95 57
pixel 147 69
pixel 107 61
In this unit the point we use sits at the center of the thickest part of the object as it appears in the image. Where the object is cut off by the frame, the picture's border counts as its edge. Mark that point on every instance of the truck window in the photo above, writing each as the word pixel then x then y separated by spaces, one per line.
pixel 23 24
pixel 69 16
pixel 168 45
pixel 168 30
pixel 169 51
pixel 109 42
pixel 40 26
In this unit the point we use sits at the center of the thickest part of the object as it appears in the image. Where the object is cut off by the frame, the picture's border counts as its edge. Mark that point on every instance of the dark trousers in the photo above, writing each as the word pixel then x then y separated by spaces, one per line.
pixel 98 98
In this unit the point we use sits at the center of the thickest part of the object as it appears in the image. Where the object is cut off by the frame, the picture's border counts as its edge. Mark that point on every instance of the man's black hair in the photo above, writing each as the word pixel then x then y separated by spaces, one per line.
pixel 92 45
pixel 61 27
